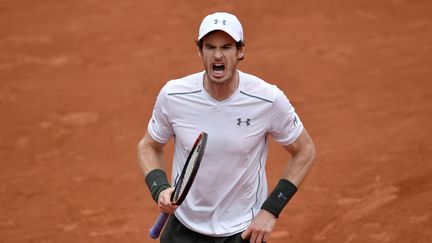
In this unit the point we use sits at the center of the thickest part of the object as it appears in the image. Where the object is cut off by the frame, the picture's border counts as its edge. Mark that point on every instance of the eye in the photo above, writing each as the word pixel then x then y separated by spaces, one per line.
pixel 209 47
pixel 227 47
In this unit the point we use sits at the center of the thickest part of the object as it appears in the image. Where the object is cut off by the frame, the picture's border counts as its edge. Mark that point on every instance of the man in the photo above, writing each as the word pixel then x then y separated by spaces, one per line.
pixel 228 201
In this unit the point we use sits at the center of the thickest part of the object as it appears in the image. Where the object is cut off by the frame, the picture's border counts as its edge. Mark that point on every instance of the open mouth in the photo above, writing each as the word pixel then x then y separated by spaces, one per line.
pixel 218 68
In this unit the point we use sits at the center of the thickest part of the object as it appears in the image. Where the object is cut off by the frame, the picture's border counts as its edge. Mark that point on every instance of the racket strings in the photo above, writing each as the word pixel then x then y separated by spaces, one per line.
pixel 188 172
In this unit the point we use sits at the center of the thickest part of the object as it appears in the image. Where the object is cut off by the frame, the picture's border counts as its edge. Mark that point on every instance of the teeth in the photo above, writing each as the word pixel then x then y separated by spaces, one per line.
pixel 218 68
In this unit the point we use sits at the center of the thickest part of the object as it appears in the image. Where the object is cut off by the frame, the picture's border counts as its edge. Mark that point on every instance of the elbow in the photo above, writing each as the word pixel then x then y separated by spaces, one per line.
pixel 312 152
pixel 308 153
pixel 141 144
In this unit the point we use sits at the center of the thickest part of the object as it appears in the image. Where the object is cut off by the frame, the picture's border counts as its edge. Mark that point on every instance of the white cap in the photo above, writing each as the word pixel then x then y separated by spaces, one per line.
pixel 221 21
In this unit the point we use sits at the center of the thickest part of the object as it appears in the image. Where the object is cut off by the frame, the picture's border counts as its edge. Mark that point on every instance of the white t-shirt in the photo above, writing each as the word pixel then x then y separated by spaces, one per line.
pixel 231 183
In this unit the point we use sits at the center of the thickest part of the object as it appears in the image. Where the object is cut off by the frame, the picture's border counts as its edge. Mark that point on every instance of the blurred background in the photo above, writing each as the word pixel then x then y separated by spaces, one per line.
pixel 78 80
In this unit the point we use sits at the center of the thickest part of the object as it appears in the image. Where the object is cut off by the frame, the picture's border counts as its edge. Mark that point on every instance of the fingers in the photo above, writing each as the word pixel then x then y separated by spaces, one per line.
pixel 164 201
pixel 260 228
pixel 168 210
pixel 258 237
pixel 255 236
pixel 246 234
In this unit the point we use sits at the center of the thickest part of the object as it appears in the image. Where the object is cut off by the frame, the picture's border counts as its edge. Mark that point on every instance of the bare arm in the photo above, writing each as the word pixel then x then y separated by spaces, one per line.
pixel 302 155
pixel 150 154
pixel 151 157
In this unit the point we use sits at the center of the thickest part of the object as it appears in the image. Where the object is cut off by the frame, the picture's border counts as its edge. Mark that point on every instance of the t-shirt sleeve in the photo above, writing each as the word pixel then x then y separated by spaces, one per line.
pixel 159 126
pixel 285 124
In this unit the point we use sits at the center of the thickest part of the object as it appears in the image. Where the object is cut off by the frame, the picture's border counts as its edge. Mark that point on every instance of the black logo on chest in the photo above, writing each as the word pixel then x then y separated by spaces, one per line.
pixel 245 122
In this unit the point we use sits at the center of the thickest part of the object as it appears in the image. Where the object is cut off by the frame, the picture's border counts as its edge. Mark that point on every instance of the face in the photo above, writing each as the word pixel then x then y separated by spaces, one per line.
pixel 220 57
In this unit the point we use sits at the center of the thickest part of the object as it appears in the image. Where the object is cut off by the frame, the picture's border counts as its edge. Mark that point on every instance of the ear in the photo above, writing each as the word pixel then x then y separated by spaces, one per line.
pixel 240 56
pixel 240 53
pixel 199 51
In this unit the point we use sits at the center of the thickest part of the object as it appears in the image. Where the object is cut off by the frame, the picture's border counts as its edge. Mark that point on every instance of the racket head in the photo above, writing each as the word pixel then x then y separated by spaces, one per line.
pixel 189 170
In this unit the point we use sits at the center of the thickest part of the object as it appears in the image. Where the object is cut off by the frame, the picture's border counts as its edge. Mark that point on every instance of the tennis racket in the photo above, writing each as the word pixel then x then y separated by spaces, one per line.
pixel 184 182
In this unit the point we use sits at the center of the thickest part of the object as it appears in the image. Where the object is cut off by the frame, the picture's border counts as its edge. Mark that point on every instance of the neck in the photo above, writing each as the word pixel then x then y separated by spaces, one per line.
pixel 221 90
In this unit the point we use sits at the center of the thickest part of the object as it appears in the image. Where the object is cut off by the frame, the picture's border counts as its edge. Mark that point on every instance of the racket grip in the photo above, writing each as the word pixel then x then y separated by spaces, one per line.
pixel 155 231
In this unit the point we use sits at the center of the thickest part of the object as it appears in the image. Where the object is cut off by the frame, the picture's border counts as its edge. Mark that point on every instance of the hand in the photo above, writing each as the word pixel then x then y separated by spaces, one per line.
pixel 164 201
pixel 261 227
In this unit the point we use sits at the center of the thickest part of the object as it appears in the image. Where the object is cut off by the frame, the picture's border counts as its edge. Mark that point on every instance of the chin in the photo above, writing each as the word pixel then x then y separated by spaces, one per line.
pixel 219 80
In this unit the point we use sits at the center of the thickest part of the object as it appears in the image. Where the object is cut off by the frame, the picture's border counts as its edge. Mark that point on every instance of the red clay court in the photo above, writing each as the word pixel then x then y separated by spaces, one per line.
pixel 78 80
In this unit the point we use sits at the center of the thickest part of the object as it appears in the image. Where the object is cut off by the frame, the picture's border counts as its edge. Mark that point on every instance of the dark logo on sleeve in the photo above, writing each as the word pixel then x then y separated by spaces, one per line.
pixel 296 122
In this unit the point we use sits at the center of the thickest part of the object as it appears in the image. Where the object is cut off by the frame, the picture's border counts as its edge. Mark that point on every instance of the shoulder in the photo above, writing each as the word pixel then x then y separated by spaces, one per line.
pixel 254 86
pixel 187 84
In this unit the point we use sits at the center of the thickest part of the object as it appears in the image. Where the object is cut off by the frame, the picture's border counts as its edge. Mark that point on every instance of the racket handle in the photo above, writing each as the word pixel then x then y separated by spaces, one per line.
pixel 155 231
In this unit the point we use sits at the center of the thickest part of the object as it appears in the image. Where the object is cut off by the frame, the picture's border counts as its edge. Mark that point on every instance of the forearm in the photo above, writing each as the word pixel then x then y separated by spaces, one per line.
pixel 151 161
pixel 150 155
pixel 298 167
pixel 303 155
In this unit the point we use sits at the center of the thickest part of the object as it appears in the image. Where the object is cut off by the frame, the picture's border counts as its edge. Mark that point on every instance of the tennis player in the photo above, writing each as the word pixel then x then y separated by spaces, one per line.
pixel 229 200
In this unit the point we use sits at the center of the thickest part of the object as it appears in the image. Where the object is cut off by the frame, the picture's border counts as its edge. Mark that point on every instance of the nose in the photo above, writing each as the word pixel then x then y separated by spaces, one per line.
pixel 218 53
